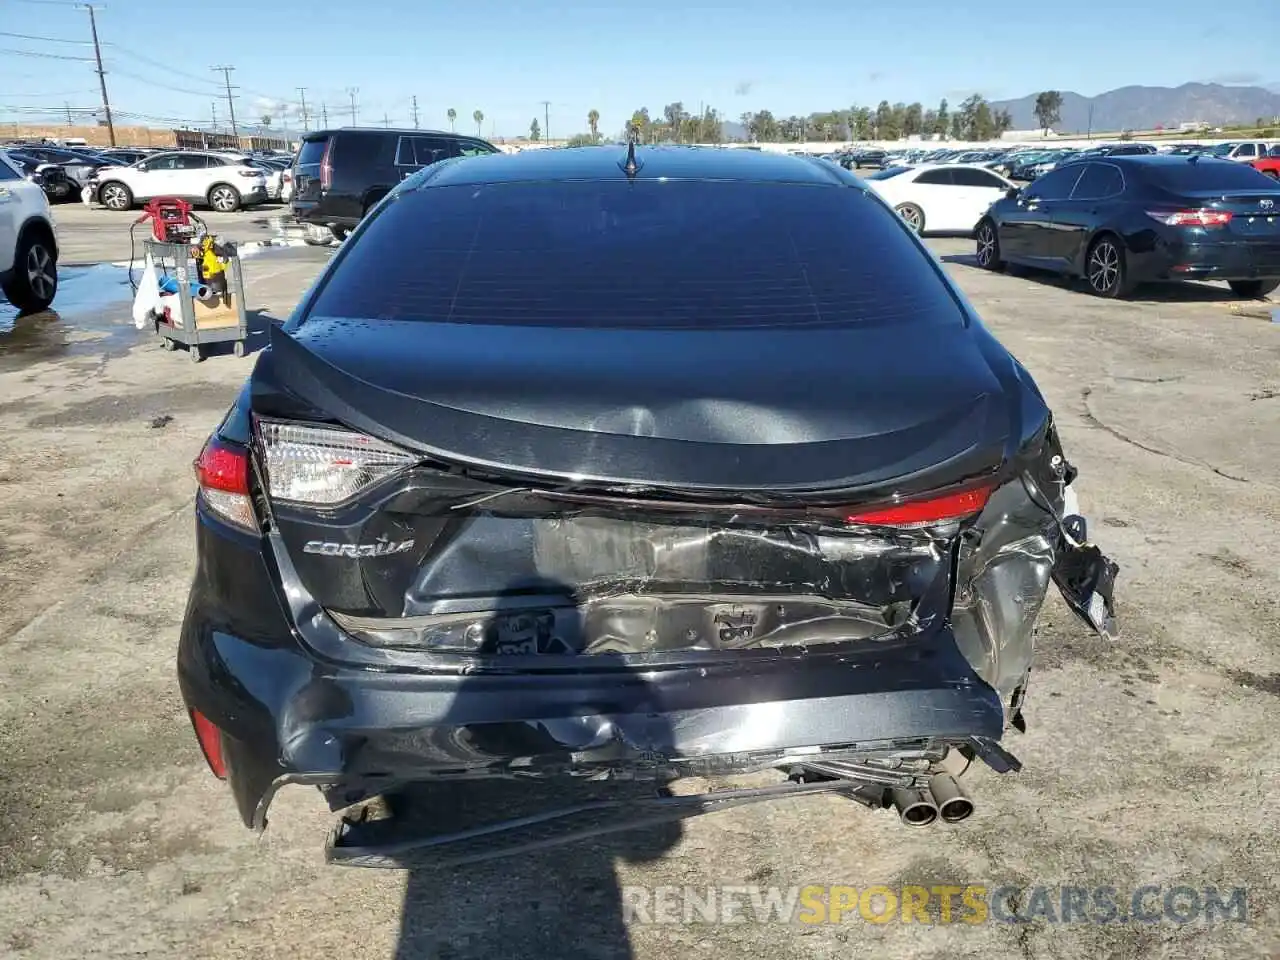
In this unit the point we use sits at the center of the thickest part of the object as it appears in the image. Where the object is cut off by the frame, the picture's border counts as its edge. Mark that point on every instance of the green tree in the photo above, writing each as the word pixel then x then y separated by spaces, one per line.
pixel 1048 110
pixel 862 122
pixel 584 140
pixel 535 130
pixel 913 120
pixel 763 127
pixel 642 125
pixel 478 117
pixel 674 117
pixel 1003 122
pixel 593 122
pixel 929 123
pixel 957 127
pixel 452 114
pixel 266 121
pixel 942 120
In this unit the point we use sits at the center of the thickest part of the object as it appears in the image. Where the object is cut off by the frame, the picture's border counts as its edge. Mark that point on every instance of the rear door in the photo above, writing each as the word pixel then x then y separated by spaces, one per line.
pixel 1095 198
pixel 415 152
pixel 936 193
pixel 979 189
pixel 1027 230
pixel 191 175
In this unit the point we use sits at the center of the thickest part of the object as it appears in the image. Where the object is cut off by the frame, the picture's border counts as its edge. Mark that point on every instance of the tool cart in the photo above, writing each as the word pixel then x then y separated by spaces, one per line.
pixel 196 313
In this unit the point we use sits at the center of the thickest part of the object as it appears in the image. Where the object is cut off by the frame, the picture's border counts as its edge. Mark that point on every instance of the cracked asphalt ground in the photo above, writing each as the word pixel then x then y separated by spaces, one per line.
pixel 1151 759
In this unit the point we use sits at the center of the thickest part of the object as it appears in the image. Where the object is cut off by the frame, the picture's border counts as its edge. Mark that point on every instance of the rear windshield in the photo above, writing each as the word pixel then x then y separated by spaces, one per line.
pixel 1209 175
pixel 649 254
pixel 312 151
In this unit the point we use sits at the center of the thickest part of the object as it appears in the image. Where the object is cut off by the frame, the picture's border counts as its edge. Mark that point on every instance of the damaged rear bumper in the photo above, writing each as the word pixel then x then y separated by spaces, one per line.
pixel 287 717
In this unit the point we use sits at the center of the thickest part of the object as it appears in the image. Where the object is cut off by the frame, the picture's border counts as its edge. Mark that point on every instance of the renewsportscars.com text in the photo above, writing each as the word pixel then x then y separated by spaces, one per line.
pixel 941 904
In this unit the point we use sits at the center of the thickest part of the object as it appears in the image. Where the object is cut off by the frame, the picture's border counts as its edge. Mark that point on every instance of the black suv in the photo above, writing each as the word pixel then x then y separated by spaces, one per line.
pixel 338 175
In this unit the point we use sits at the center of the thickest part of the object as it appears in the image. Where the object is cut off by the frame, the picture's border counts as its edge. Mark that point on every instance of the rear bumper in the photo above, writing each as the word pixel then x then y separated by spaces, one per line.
pixel 288 714
pixel 1255 260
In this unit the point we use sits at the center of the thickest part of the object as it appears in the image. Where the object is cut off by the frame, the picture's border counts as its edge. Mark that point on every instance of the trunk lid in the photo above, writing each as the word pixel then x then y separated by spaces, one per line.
pixel 653 507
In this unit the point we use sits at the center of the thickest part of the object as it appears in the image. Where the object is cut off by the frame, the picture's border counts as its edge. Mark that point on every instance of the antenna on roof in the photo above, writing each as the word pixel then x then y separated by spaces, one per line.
pixel 631 165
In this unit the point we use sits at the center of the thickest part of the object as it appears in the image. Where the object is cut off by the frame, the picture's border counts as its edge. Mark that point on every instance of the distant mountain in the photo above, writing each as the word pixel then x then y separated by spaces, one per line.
pixel 1145 108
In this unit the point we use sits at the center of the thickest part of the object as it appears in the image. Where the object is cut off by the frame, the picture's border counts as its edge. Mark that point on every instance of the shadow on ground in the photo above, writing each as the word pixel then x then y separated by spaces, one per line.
pixel 1172 292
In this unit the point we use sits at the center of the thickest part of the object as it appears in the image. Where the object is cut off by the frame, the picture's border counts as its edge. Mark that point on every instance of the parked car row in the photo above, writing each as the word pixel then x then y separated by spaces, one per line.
pixel 223 181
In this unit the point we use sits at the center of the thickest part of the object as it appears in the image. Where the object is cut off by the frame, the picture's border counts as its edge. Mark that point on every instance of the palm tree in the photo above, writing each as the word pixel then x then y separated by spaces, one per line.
pixel 593 121
pixel 478 117
pixel 452 114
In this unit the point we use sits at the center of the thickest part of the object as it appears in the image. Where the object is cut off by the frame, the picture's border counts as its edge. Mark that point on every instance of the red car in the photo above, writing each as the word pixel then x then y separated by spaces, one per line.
pixel 1270 164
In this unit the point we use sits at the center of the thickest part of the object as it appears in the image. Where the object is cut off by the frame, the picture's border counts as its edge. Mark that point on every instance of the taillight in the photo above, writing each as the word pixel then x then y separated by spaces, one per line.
pixel 321 465
pixel 925 510
pixel 222 471
pixel 210 739
pixel 326 166
pixel 251 173
pixel 1192 218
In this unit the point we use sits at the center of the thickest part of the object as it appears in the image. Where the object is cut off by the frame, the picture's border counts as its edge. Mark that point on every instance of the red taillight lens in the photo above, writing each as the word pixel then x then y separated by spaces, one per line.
pixel 251 173
pixel 1192 218
pixel 210 739
pixel 222 471
pixel 926 510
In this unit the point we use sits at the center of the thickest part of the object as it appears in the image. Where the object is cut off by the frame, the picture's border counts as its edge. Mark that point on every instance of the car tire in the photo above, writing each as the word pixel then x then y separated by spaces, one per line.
pixel 224 198
pixel 987 247
pixel 1105 270
pixel 339 233
pixel 1252 289
pixel 115 196
pixel 912 216
pixel 33 283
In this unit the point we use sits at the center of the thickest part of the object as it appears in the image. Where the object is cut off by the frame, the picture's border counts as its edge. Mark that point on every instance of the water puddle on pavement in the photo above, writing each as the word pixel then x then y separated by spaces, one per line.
pixel 90 315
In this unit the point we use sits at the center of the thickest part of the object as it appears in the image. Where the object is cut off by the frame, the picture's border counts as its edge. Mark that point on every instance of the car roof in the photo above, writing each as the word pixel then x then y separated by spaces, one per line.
pixel 1161 160
pixel 921 167
pixel 654 163
pixel 399 131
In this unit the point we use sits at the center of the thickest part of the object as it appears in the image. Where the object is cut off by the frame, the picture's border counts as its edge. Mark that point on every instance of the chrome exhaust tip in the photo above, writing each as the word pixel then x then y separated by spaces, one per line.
pixel 915 807
pixel 953 803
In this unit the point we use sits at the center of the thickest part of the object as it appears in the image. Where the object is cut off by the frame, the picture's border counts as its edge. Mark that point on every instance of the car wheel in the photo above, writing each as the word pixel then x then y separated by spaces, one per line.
pixel 224 198
pixel 987 250
pixel 115 196
pixel 912 216
pixel 1105 268
pixel 34 281
pixel 61 189
pixel 1252 289
pixel 339 233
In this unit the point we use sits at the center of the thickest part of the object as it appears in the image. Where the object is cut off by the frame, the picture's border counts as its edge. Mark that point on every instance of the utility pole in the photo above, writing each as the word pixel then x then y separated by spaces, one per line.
pixel 386 121
pixel 351 92
pixel 102 75
pixel 415 111
pixel 68 106
pixel 324 113
pixel 231 104
pixel 546 121
pixel 213 110
pixel 1090 134
pixel 302 92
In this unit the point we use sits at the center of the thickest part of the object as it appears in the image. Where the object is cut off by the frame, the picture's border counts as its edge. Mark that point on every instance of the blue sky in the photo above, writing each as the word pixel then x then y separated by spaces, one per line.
pixel 505 58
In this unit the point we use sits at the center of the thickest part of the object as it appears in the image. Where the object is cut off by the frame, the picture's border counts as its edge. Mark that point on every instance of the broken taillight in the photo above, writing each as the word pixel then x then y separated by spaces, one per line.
pixel 925 510
pixel 222 471
pixel 322 465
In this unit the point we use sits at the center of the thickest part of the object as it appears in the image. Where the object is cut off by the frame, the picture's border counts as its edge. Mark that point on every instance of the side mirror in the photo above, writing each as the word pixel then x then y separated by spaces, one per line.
pixel 142 165
pixel 1013 193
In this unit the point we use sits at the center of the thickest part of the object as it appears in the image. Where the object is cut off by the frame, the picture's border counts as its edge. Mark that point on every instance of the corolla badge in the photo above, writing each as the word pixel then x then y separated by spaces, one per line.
pixel 382 548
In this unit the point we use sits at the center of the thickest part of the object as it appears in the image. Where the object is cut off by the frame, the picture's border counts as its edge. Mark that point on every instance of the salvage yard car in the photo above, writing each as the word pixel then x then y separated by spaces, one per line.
pixel 28 244
pixel 640 464
pixel 1119 222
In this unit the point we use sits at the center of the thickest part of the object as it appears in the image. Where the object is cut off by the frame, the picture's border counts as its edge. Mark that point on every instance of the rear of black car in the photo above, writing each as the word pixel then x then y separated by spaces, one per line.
pixel 626 477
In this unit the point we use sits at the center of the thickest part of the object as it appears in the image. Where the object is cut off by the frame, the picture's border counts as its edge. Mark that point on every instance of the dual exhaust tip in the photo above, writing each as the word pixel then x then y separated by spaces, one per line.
pixel 944 797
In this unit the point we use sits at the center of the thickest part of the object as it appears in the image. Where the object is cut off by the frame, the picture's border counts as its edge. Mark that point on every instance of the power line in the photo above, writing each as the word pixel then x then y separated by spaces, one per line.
pixel 102 75
pixel 45 56
pixel 27 36
pixel 231 103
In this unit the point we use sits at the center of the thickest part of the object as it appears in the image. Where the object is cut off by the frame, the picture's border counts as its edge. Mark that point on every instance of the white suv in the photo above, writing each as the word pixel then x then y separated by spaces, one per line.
pixel 28 245
pixel 224 181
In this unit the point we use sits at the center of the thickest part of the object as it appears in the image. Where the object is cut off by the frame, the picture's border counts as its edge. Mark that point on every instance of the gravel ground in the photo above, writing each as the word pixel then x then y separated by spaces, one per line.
pixel 1148 760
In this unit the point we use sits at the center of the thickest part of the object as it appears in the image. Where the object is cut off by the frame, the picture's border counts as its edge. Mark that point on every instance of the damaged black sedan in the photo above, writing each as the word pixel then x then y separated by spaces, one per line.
pixel 626 465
